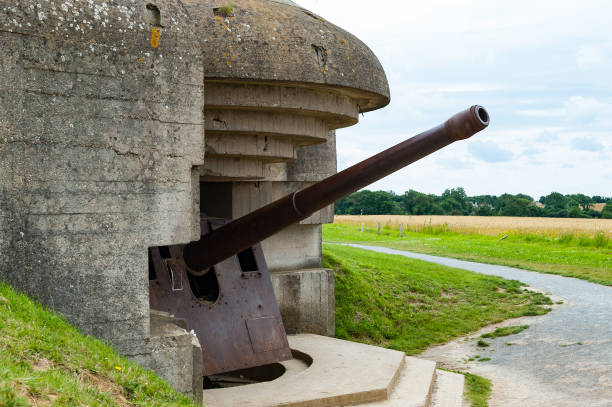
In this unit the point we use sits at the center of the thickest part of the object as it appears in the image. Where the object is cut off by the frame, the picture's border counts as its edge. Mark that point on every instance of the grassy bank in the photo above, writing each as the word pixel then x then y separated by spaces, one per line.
pixel 588 258
pixel 409 305
pixel 46 362
pixel 477 390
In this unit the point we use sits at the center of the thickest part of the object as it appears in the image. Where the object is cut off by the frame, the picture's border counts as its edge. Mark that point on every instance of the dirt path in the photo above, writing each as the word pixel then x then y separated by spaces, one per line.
pixel 563 360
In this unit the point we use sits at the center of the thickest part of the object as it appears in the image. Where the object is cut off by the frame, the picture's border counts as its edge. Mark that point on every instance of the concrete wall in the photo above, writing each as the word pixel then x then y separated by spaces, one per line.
pixel 174 354
pixel 296 247
pixel 100 129
pixel 306 300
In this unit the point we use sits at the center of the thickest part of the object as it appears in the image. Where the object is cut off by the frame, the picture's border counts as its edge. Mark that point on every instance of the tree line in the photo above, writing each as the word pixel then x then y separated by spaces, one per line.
pixel 456 202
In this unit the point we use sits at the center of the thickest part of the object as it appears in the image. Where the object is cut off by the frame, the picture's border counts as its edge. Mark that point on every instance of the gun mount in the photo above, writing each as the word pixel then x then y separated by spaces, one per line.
pixel 221 285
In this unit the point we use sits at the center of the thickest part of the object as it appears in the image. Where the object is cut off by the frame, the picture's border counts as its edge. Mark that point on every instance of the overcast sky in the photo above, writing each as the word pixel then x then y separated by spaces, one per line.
pixel 543 70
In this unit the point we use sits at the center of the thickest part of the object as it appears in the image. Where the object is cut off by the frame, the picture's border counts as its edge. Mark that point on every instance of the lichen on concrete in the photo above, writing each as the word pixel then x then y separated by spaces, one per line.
pixel 99 135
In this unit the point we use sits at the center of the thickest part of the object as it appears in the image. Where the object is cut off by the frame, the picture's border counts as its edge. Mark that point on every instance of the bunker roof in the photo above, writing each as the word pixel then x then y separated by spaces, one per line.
pixel 279 41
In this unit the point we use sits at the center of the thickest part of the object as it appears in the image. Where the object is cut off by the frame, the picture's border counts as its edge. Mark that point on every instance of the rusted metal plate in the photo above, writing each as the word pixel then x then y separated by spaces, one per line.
pixel 266 334
pixel 233 312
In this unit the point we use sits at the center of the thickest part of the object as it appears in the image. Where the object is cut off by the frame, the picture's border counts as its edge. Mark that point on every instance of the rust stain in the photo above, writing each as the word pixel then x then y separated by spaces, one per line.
pixel 155 36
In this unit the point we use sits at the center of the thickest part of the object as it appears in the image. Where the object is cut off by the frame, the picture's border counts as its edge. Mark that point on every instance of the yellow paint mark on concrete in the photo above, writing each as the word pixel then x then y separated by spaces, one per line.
pixel 140 60
pixel 155 36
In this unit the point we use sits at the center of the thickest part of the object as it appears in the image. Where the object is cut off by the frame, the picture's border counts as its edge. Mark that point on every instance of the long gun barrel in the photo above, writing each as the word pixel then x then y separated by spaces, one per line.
pixel 250 229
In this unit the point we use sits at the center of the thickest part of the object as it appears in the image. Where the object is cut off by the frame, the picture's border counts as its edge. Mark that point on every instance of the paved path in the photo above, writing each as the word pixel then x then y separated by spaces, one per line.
pixel 546 365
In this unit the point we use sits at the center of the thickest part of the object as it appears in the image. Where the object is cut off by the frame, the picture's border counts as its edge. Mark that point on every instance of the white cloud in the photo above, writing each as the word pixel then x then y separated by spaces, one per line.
pixel 579 109
pixel 587 109
pixel 587 144
pixel 489 152
pixel 590 55
pixel 544 77
pixel 450 87
pixel 559 112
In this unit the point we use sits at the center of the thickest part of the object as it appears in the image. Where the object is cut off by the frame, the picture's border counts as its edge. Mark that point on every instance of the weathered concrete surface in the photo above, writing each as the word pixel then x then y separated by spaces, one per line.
pixel 448 389
pixel 100 127
pixel 295 247
pixel 271 41
pixel 174 354
pixel 414 385
pixel 335 378
pixel 306 300
pixel 314 163
pixel 545 365
pixel 279 80
pixel 251 127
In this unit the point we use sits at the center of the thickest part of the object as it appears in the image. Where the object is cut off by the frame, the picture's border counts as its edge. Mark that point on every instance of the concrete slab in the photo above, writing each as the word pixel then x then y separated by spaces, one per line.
pixel 342 373
pixel 414 386
pixel 448 389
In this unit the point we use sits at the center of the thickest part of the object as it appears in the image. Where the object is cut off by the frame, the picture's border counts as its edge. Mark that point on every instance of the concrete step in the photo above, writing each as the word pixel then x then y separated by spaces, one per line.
pixel 342 373
pixel 414 387
pixel 448 389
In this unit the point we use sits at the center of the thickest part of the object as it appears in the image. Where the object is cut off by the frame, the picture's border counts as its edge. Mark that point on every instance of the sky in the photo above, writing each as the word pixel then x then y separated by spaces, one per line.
pixel 542 69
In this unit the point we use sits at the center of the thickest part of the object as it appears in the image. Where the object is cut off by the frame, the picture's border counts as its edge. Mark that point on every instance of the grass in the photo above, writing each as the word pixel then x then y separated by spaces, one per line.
pixel 478 390
pixel 46 361
pixel 227 10
pixel 585 257
pixel 409 305
pixel 505 331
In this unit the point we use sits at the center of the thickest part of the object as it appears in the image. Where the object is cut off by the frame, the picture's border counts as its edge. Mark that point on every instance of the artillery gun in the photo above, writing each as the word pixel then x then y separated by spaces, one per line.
pixel 220 285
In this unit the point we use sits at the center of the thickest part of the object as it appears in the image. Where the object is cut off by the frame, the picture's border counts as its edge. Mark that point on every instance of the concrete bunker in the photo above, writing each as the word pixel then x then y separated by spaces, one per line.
pixel 110 154
pixel 113 165
pixel 267 106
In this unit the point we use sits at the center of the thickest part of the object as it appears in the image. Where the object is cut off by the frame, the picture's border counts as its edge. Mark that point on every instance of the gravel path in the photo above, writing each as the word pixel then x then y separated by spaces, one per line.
pixel 563 359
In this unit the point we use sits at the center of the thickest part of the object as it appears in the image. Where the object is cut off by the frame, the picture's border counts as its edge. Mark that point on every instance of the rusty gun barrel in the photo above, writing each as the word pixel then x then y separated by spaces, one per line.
pixel 256 226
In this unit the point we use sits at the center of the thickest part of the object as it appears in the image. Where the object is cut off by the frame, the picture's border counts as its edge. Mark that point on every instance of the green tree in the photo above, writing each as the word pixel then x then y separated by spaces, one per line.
pixel 483 209
pixel 556 205
pixel 368 203
pixel 607 211
pixel 455 202
pixel 583 201
pixel 514 205
pixel 418 203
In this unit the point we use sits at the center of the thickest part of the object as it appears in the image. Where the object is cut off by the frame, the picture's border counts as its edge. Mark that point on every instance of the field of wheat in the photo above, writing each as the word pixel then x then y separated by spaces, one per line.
pixel 487 225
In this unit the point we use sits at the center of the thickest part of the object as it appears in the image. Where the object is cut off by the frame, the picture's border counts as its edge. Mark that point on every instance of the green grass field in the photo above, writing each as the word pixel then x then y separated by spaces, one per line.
pixel 478 390
pixel 45 361
pixel 585 258
pixel 409 305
